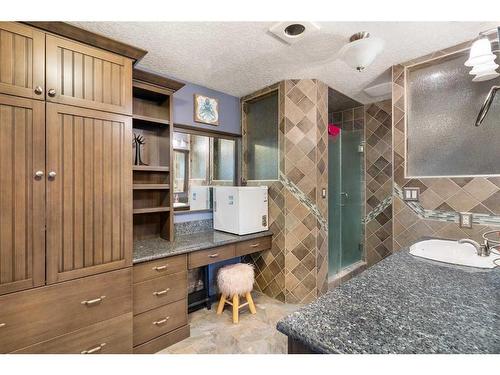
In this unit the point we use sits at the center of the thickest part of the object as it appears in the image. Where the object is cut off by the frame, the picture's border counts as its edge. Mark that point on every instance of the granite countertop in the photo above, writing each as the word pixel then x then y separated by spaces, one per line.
pixel 404 304
pixel 156 248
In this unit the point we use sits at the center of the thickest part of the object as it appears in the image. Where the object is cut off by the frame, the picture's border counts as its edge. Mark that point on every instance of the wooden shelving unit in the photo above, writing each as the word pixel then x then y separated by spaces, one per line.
pixel 152 119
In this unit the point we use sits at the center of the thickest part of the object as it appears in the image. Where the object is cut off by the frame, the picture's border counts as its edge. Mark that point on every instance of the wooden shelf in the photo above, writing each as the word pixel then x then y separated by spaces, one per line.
pixel 151 120
pixel 150 210
pixel 150 168
pixel 151 186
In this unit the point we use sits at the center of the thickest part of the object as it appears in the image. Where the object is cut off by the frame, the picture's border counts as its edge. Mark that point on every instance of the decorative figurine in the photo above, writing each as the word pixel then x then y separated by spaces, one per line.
pixel 137 143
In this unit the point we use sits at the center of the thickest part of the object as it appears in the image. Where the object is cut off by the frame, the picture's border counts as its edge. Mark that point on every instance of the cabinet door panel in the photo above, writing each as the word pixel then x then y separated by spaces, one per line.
pixel 22 60
pixel 88 77
pixel 22 197
pixel 89 201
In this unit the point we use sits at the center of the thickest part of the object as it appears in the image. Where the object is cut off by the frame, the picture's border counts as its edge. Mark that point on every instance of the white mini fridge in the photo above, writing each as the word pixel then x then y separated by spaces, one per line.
pixel 240 209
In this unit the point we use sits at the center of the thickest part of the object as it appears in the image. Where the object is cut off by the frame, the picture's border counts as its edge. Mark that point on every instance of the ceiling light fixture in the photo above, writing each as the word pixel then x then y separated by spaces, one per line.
pixel 294 29
pixel 482 59
pixel 361 50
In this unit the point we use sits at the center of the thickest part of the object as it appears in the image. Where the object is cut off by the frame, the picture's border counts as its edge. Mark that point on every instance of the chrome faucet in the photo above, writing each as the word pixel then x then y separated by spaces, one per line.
pixel 481 250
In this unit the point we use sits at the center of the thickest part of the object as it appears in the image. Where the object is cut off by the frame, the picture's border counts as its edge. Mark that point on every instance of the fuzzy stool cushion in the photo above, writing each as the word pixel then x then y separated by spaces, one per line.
pixel 234 281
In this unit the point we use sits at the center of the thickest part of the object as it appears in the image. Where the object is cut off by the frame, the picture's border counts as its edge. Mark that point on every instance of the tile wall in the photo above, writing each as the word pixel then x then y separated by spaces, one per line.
pixel 441 199
pixel 295 270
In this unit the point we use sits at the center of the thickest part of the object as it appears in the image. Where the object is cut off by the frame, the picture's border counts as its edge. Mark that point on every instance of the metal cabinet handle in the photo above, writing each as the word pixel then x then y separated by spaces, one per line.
pixel 161 321
pixel 52 175
pixel 51 93
pixel 94 350
pixel 3 325
pixel 161 292
pixel 38 90
pixel 213 255
pixel 91 302
pixel 255 245
pixel 160 268
pixel 39 174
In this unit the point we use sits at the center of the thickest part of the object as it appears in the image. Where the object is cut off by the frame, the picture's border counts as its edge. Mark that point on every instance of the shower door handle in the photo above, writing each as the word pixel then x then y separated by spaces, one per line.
pixel 343 194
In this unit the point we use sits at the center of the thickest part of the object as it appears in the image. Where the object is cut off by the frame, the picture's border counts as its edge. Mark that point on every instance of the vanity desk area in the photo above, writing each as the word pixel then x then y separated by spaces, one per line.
pixel 160 277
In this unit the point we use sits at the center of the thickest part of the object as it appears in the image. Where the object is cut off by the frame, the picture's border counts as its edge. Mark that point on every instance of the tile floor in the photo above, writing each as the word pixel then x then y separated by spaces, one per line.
pixel 255 334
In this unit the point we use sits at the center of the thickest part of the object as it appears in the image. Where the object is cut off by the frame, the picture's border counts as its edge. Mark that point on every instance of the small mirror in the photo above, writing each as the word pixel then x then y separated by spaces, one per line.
pixel 200 162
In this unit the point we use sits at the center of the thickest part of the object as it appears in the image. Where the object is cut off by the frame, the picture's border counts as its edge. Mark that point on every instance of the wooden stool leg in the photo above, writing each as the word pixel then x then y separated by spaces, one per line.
pixel 222 302
pixel 251 306
pixel 236 306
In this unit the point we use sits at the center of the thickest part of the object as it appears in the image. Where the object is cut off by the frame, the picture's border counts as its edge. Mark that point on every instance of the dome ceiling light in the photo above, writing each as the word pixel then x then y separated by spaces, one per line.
pixel 361 50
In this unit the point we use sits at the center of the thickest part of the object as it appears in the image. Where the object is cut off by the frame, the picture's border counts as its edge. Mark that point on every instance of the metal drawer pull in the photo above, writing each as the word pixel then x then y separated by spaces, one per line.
pixel 160 268
pixel 94 350
pixel 255 245
pixel 93 301
pixel 3 325
pixel 161 292
pixel 213 255
pixel 161 321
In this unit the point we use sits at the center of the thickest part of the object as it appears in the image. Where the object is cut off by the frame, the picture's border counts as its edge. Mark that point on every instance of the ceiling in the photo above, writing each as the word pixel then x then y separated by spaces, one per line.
pixel 241 57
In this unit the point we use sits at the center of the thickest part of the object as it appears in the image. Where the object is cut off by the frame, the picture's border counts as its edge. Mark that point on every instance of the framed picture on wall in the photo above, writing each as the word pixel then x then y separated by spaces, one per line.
pixel 206 110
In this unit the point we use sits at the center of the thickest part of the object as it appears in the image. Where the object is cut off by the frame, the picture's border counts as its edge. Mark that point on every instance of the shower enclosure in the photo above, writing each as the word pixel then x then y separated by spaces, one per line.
pixel 345 188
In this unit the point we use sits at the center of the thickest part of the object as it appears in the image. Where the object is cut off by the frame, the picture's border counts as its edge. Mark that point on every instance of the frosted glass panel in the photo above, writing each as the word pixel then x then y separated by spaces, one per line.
pixel 262 138
pixel 223 151
pixel 442 106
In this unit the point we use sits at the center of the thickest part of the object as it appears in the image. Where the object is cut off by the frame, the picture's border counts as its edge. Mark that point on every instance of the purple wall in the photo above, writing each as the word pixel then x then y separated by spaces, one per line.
pixel 229 109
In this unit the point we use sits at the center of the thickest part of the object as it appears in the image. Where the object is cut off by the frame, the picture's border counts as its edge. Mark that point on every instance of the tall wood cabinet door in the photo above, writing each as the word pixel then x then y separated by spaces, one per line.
pixel 88 77
pixel 22 61
pixel 89 192
pixel 22 193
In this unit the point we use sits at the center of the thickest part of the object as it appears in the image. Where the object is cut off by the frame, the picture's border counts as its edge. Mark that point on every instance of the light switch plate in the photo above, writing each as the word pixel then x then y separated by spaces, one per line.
pixel 465 220
pixel 411 194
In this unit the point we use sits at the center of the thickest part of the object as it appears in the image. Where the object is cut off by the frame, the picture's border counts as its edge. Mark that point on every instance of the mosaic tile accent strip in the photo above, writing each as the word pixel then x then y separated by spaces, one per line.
pixel 378 209
pixel 441 198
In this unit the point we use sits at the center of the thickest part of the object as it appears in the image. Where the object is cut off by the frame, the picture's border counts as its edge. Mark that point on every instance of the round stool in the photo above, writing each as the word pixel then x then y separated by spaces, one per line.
pixel 234 281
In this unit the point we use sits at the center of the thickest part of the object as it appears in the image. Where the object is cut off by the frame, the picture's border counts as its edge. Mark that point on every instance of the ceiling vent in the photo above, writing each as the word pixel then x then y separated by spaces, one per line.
pixel 292 32
pixel 381 90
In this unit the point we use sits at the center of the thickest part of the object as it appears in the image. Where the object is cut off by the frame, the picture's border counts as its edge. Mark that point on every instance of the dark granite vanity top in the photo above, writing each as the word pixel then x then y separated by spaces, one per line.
pixel 157 248
pixel 404 305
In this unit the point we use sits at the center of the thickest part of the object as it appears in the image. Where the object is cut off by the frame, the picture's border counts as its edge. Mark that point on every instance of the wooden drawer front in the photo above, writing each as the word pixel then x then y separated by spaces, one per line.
pixel 163 341
pixel 40 314
pixel 22 61
pixel 86 76
pixel 160 291
pixel 158 268
pixel 204 257
pixel 112 336
pixel 252 246
pixel 161 320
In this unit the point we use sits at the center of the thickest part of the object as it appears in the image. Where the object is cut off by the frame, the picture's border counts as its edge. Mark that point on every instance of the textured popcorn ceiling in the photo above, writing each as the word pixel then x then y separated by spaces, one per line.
pixel 241 57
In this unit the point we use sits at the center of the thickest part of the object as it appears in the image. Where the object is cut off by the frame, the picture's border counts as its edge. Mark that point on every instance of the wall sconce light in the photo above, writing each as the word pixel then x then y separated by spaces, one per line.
pixel 482 60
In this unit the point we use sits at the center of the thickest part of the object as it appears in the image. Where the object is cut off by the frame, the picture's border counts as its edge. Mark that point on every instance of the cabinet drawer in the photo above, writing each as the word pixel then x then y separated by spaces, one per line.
pixel 40 314
pixel 204 257
pixel 161 320
pixel 160 291
pixel 252 246
pixel 163 341
pixel 160 267
pixel 112 336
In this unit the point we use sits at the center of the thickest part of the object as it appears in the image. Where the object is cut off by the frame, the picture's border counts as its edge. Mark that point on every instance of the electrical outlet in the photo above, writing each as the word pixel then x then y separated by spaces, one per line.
pixel 465 220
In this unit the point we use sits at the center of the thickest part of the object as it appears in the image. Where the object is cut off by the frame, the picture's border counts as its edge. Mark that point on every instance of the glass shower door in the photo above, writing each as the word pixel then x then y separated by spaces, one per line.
pixel 345 232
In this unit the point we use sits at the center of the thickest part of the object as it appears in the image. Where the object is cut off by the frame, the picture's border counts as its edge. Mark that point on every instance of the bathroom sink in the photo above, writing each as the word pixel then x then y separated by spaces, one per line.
pixel 454 253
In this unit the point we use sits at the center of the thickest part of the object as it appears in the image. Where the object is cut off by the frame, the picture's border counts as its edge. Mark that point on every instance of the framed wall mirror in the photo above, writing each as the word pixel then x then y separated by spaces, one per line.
pixel 201 160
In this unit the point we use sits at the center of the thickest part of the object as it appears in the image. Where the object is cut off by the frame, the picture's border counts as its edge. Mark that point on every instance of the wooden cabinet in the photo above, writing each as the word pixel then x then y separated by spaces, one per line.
pixel 204 257
pixel 22 194
pixel 252 246
pixel 22 61
pixel 40 314
pixel 89 192
pixel 113 336
pixel 86 76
